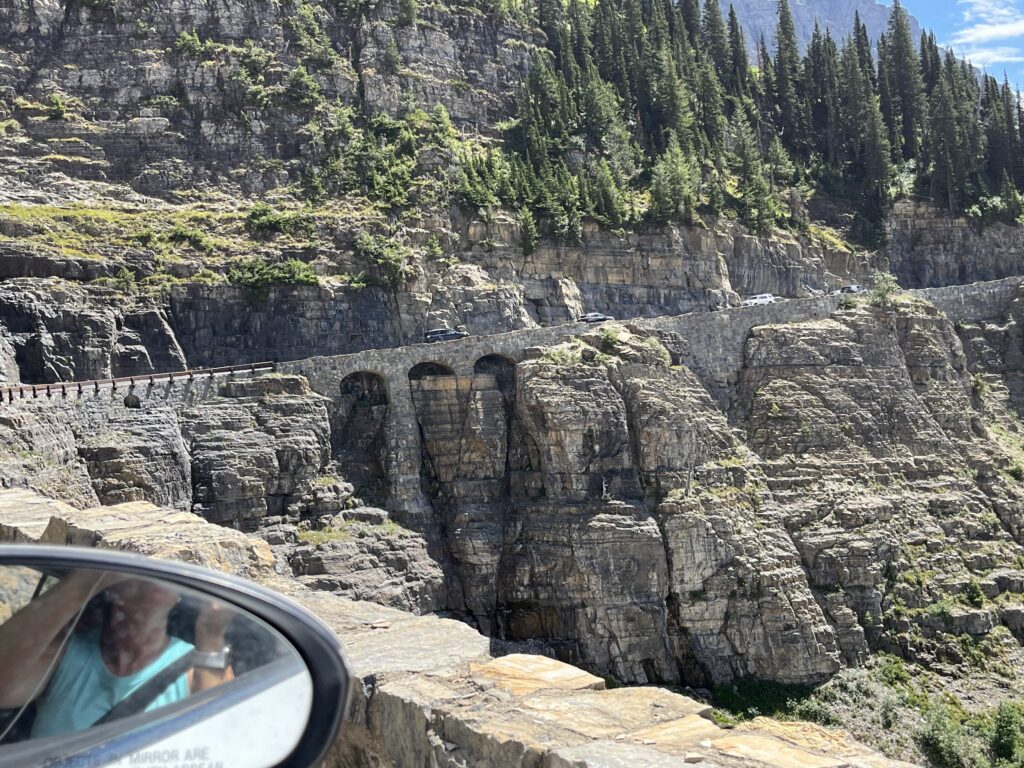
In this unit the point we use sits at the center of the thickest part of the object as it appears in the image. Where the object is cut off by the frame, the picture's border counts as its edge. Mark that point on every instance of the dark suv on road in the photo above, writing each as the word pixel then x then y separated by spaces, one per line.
pixel 443 334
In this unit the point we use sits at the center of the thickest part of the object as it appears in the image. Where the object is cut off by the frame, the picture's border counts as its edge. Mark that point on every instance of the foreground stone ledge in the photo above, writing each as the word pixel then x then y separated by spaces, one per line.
pixel 429 692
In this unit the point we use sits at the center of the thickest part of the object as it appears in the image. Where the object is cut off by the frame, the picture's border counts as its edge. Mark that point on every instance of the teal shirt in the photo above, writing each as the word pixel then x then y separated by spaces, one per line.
pixel 82 689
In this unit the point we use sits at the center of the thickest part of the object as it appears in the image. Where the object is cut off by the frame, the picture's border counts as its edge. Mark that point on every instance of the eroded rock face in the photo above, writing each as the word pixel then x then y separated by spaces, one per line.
pixel 427 689
pixel 135 455
pixel 596 498
pixel 62 331
pixel 928 247
pixel 581 552
pixel 374 562
pixel 256 450
pixel 876 450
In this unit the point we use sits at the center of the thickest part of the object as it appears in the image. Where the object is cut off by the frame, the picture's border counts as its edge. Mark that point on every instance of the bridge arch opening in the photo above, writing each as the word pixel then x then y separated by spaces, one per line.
pixel 359 415
pixel 428 369
pixel 368 389
pixel 503 369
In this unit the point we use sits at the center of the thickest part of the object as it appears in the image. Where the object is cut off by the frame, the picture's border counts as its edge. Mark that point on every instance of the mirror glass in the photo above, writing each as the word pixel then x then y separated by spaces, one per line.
pixel 107 668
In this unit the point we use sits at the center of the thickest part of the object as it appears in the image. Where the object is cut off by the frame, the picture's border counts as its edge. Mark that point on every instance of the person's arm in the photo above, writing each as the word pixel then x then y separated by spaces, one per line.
pixel 211 625
pixel 30 640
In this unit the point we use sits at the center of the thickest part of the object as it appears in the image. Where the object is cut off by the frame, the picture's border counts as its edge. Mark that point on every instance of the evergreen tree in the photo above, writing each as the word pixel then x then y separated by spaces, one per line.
pixel 877 159
pixel 607 199
pixel 903 68
pixel 527 231
pixel 673 184
pixel 689 10
pixel 822 88
pixel 863 44
pixel 735 81
pixel 758 208
pixel 716 43
pixel 791 108
pixel 710 115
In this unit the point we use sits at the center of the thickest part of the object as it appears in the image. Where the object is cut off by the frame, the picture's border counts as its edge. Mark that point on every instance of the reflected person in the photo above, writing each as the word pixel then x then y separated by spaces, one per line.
pixel 77 675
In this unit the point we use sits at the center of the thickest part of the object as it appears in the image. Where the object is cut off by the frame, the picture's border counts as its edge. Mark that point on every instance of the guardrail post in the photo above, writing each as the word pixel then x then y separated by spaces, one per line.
pixel 64 391
pixel 48 395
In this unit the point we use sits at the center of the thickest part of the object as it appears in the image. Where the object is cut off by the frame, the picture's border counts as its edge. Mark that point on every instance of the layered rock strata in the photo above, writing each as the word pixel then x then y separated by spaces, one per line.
pixel 427 689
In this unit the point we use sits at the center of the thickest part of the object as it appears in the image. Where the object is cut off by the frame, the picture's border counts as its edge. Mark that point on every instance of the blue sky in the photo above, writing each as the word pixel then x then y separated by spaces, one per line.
pixel 989 32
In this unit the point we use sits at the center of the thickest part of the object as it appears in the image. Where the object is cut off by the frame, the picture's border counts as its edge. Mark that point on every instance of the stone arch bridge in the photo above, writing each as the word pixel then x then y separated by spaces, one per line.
pixel 709 344
pixel 390 380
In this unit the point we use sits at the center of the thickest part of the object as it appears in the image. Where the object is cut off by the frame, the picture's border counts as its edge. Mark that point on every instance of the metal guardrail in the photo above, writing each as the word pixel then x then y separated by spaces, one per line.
pixel 79 388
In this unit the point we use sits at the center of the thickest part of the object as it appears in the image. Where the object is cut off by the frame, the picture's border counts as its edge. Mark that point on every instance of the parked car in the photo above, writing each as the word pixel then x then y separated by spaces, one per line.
pixel 443 334
pixel 595 317
pixel 849 289
pixel 760 300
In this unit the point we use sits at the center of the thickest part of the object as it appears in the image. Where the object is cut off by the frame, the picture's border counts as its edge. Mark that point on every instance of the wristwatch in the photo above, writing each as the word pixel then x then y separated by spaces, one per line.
pixel 212 659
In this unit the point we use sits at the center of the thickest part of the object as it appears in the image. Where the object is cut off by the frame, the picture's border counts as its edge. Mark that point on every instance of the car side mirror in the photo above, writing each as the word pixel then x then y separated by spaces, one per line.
pixel 110 659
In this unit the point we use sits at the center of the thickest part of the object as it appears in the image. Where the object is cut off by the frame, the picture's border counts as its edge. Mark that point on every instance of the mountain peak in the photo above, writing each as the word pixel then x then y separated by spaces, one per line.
pixel 760 17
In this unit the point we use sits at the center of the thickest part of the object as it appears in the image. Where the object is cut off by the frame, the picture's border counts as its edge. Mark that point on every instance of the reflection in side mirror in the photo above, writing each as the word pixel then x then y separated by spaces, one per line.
pixel 121 661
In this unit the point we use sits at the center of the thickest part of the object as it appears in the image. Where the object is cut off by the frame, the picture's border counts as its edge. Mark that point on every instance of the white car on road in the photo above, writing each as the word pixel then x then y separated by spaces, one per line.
pixel 760 300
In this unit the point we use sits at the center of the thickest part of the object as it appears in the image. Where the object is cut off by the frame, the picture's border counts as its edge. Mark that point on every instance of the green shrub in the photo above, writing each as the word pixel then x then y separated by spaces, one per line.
pixel 144 237
pixel 980 385
pixel 884 290
pixel 56 109
pixel 891 670
pixel 254 59
pixel 748 698
pixel 310 37
pixel 196 238
pixel 948 744
pixel 609 336
pixel 407 12
pixel 389 256
pixel 1007 741
pixel 258 276
pixel 434 250
pixel 974 594
pixel 392 57
pixel 263 220
pixel 301 89
pixel 190 44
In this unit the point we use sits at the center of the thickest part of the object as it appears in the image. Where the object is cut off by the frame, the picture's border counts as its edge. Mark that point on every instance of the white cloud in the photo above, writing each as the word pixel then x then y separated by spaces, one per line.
pixel 988 21
pixel 987 33
pixel 986 57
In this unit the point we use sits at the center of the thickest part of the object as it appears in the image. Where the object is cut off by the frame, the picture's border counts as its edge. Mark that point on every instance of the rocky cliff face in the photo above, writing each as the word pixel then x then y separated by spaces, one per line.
pixel 928 247
pixel 429 691
pixel 125 203
pixel 777 499
pixel 595 497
